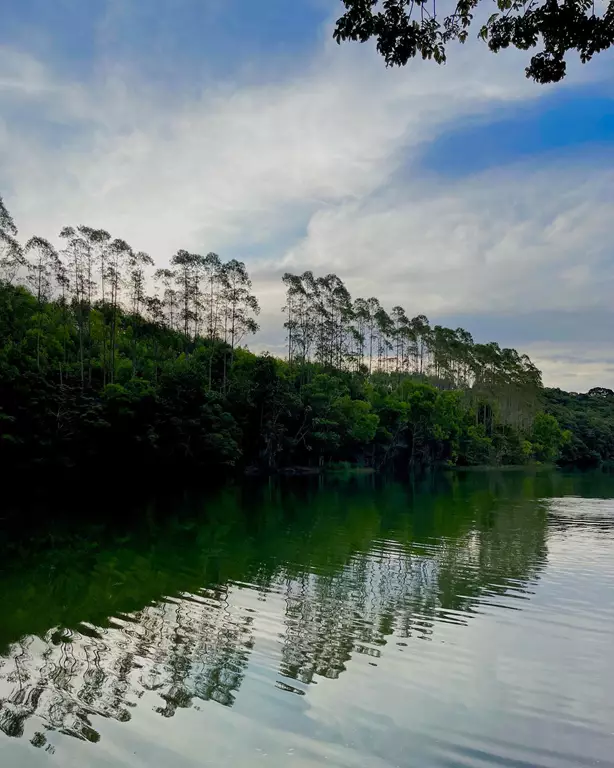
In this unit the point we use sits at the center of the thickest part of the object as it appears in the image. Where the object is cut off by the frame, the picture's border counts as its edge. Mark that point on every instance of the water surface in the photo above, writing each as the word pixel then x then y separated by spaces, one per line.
pixel 467 620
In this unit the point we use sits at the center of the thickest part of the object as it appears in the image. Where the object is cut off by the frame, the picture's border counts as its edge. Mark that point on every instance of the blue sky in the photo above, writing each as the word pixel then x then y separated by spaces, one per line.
pixel 561 122
pixel 464 192
pixel 164 38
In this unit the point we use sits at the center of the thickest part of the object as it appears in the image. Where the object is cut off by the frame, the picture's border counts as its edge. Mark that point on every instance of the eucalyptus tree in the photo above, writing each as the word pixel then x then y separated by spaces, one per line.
pixel 63 282
pixel 488 365
pixel 532 384
pixel 324 321
pixel 100 244
pixel 320 319
pixel 308 314
pixel 342 316
pixel 349 338
pixel 136 278
pixel 186 267
pixel 487 369
pixel 439 354
pixel 90 243
pixel 155 309
pixel 319 310
pixel 91 249
pixel 464 343
pixel 401 331
pixel 87 241
pixel 168 279
pixel 119 255
pixel 294 290
pixel 421 331
pixel 212 286
pixel 237 308
pixel 355 342
pixel 76 276
pixel 8 227
pixel 302 315
pixel 372 308
pixel 43 268
pixel 137 261
pixel 511 386
pixel 239 303
pixel 385 332
pixel 444 354
pixel 12 257
pixel 333 307
pixel 361 315
pixel 198 297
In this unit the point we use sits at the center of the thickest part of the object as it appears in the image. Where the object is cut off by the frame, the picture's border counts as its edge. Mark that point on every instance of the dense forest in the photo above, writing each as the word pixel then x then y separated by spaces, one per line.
pixel 589 420
pixel 106 363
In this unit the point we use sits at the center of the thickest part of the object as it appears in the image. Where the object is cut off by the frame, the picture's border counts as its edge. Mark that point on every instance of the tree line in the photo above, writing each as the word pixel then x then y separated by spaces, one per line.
pixel 106 361
pixel 589 418
pixel 324 325
pixel 99 286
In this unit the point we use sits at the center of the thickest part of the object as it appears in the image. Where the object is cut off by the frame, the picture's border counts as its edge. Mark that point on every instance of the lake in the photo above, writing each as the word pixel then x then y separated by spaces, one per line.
pixel 343 621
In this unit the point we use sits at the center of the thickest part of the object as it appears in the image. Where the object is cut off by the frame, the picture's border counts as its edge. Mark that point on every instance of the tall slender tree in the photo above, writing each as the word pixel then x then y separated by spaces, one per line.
pixel 240 303
pixel 213 275
pixel 169 297
pixel 12 257
pixel 43 268
pixel 186 267
pixel 119 255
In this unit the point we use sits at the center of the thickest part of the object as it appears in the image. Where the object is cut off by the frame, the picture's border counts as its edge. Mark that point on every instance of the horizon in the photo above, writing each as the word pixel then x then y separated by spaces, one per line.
pixel 208 127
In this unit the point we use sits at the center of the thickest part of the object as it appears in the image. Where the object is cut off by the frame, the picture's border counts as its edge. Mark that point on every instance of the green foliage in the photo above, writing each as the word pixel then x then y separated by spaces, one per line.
pixel 546 437
pixel 168 414
pixel 356 419
pixel 96 375
pixel 202 403
pixel 477 446
pixel 587 421
pixel 404 30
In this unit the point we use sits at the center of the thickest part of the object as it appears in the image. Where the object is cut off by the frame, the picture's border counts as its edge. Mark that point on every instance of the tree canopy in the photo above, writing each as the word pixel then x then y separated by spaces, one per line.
pixel 405 29
pixel 106 369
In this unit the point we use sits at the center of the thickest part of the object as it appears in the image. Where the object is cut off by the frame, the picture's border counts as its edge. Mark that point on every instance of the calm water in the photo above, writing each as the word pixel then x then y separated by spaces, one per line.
pixel 464 621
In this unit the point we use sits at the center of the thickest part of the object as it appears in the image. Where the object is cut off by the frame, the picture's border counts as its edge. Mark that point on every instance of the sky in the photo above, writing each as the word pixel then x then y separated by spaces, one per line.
pixel 464 192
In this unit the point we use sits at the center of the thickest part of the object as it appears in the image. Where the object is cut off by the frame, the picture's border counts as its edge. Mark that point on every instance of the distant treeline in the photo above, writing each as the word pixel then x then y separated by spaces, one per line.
pixel 589 418
pixel 103 365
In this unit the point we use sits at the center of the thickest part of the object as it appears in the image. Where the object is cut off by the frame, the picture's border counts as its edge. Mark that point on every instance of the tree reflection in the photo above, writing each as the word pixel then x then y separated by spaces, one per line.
pixel 356 566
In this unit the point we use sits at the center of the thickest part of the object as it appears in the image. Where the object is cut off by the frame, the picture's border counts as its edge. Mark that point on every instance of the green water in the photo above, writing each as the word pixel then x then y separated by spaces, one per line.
pixel 467 620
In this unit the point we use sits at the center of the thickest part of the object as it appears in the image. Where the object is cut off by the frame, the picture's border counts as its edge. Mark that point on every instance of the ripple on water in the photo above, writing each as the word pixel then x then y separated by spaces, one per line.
pixel 491 645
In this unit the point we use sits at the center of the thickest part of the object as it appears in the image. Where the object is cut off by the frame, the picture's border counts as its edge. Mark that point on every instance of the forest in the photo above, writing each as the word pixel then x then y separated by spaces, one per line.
pixel 589 420
pixel 109 365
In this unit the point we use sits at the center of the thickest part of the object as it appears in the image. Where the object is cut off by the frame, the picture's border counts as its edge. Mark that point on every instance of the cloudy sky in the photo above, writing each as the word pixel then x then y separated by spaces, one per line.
pixel 463 192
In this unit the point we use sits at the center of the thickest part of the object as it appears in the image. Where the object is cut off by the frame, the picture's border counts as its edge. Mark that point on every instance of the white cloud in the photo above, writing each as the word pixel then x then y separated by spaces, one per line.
pixel 239 166
pixel 506 240
pixel 576 366
pixel 229 164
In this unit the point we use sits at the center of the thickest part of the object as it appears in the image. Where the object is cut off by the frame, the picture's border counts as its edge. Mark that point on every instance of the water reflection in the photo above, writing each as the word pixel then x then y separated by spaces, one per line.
pixel 176 604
